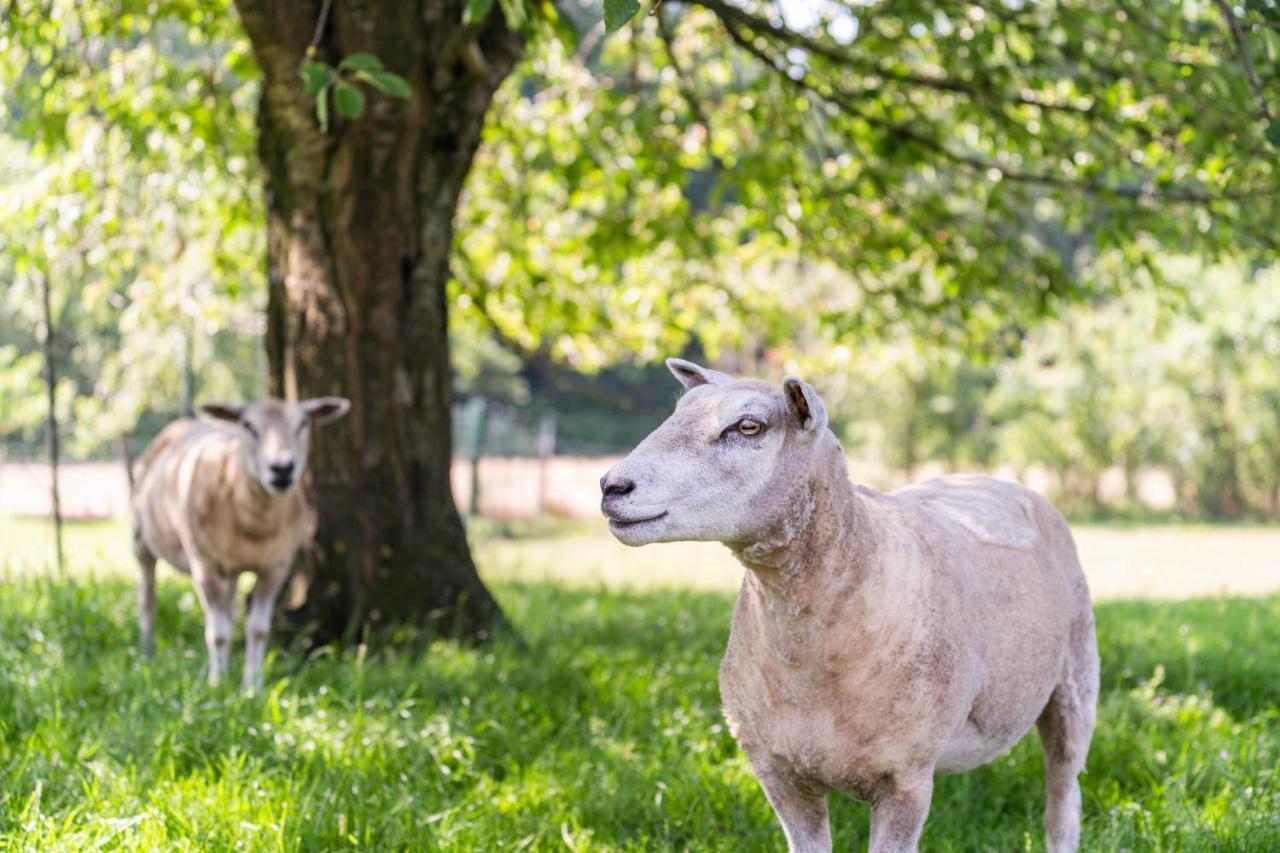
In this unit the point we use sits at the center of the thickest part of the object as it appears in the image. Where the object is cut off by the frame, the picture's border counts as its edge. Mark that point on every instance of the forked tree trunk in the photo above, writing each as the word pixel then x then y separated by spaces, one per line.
pixel 360 227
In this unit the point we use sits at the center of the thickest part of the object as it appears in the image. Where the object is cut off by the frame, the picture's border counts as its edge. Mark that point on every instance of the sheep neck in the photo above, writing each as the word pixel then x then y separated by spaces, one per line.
pixel 814 537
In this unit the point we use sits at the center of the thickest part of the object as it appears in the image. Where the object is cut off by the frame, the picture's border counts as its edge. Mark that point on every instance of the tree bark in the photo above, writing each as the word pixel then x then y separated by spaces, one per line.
pixel 360 228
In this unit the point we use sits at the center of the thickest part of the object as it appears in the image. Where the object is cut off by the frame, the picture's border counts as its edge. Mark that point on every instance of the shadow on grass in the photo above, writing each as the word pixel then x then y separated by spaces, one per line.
pixel 605 729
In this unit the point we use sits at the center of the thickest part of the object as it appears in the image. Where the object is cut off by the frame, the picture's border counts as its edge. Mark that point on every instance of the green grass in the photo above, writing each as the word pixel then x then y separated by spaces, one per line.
pixel 603 733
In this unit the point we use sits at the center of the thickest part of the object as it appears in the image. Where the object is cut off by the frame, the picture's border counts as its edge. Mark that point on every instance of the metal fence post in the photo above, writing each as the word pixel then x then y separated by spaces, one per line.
pixel 478 422
pixel 546 449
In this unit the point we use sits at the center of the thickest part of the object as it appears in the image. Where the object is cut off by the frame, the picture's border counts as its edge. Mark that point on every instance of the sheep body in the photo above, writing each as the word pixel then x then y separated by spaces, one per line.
pixel 893 636
pixel 879 639
pixel 190 488
pixel 219 498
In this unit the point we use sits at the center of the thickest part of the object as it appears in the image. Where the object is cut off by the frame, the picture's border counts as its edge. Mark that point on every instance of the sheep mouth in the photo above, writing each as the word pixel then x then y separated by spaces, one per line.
pixel 634 522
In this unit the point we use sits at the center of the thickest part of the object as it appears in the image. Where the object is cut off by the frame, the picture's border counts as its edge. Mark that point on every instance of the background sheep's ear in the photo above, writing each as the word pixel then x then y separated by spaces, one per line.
pixel 692 375
pixel 325 409
pixel 804 405
pixel 223 411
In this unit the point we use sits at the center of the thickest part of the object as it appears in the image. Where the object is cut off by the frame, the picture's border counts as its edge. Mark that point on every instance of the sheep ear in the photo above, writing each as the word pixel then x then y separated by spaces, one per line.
pixel 692 375
pixel 324 409
pixel 223 411
pixel 804 406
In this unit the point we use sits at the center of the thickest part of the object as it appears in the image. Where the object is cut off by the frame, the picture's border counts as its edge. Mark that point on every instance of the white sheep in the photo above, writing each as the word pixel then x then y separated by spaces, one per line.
pixel 218 498
pixel 879 639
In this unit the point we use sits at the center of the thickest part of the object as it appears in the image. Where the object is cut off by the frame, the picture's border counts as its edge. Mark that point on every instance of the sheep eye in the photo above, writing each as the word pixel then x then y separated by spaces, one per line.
pixel 747 426
pixel 249 428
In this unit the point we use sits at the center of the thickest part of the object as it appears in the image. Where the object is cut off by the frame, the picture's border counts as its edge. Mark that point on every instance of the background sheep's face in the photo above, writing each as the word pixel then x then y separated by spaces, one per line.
pixel 276 436
pixel 722 467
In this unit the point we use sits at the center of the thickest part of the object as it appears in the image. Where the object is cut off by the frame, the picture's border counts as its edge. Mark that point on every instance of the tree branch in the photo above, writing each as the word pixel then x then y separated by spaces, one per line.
pixel 727 12
pixel 685 80
pixel 1246 57
pixel 971 162
pixel 1135 14
pixel 319 31
pixel 540 358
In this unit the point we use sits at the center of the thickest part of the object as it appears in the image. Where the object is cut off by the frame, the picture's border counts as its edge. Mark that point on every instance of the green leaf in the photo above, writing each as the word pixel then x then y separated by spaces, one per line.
pixel 563 28
pixel 514 12
pixel 360 62
pixel 322 109
pixel 618 12
pixel 386 82
pixel 239 60
pixel 476 11
pixel 349 100
pixel 315 76
pixel 1273 133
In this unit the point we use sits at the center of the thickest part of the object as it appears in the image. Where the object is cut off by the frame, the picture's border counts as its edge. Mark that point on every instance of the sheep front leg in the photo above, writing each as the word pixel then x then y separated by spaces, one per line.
pixel 217 594
pixel 257 625
pixel 897 819
pixel 801 809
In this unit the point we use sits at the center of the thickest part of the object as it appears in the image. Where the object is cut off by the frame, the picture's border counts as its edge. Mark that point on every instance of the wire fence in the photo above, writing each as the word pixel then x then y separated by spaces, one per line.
pixel 512 461
pixel 509 462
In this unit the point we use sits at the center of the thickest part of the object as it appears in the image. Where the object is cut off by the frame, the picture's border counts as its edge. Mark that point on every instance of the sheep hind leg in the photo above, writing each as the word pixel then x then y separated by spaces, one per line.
pixel 146 594
pixel 1066 728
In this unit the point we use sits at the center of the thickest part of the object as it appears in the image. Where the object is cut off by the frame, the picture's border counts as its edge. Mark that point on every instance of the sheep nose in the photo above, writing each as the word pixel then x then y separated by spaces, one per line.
pixel 282 470
pixel 616 486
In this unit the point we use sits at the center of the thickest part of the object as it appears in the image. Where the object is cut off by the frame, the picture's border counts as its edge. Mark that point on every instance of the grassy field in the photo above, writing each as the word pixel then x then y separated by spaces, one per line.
pixel 603 733
pixel 1122 562
pixel 1148 562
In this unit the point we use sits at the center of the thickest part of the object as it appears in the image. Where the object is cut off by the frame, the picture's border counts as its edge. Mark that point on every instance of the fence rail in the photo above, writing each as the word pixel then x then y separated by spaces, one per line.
pixel 508 463
pixel 510 487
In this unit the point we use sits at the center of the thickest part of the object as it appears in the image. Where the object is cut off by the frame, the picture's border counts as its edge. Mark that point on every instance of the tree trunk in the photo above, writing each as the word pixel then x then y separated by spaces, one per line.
pixel 1222 494
pixel 360 227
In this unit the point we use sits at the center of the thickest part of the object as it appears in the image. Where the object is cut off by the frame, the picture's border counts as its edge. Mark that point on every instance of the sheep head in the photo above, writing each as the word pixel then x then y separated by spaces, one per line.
pixel 275 435
pixel 722 466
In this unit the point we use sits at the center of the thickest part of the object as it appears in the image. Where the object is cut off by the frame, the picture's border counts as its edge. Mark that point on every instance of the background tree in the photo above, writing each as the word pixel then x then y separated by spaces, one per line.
pixel 360 228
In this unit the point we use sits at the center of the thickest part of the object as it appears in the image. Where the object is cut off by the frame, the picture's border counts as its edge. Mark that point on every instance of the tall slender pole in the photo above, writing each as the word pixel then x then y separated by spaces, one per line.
pixel 51 427
pixel 188 369
pixel 480 430
pixel 546 449
pixel 187 321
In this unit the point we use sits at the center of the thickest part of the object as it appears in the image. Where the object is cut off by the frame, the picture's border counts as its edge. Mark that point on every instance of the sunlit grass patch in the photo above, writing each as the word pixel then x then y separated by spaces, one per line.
pixel 1164 562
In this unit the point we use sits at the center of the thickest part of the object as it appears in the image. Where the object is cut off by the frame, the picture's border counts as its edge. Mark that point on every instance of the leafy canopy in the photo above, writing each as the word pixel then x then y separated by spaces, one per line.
pixel 746 174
